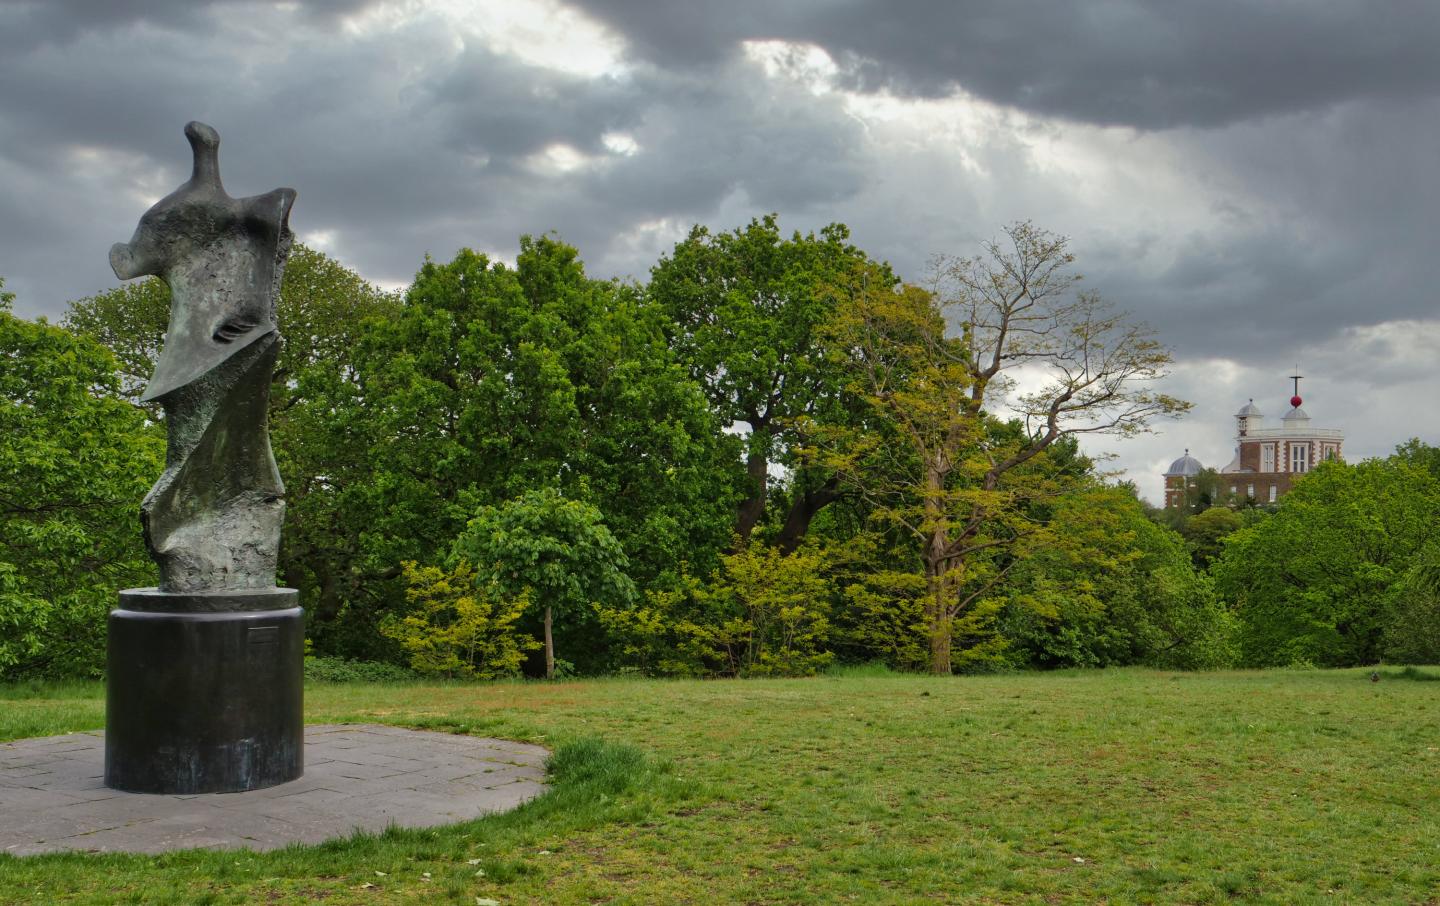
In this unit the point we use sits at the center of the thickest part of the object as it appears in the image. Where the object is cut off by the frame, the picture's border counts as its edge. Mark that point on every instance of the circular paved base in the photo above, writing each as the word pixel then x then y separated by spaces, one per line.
pixel 356 776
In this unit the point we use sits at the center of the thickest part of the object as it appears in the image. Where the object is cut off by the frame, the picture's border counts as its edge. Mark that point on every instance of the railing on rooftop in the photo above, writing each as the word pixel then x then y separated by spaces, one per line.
pixel 1265 433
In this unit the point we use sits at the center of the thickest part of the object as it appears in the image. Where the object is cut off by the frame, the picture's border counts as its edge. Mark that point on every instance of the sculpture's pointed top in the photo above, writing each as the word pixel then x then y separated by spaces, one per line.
pixel 205 142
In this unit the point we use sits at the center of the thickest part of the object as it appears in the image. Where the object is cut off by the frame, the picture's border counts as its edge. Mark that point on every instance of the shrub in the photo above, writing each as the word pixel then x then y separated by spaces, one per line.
pixel 344 670
pixel 764 613
pixel 458 626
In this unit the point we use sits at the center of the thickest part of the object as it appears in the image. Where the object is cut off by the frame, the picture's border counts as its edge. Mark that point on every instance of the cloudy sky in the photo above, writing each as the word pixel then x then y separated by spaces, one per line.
pixel 1256 180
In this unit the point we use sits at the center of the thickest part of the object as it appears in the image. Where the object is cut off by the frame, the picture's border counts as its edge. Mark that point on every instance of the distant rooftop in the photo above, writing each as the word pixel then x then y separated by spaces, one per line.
pixel 1186 465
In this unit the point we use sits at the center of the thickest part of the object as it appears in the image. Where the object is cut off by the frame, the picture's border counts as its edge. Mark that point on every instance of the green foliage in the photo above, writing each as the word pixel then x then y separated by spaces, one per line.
pixel 1311 584
pixel 24 619
pixel 1113 588
pixel 883 616
pixel 74 464
pixel 1206 531
pixel 744 312
pixel 1412 617
pixel 664 635
pixel 580 443
pixel 459 625
pixel 545 545
pixel 345 670
pixel 491 381
pixel 764 613
pixel 550 550
pixel 781 602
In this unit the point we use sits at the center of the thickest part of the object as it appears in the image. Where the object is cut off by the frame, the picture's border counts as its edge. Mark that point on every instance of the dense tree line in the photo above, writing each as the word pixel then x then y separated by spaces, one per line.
pixel 773 455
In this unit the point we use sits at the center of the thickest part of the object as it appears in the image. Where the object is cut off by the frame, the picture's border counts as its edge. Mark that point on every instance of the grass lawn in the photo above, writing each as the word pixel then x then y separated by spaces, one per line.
pixel 1119 786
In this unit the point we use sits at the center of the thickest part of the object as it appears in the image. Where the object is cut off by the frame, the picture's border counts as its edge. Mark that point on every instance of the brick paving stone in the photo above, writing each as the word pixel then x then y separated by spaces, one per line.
pixel 358 777
pixel 89 792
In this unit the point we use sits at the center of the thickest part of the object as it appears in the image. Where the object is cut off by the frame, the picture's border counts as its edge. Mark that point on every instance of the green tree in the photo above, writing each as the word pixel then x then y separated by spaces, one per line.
pixel 1206 532
pixel 551 550
pixel 1310 584
pixel 74 465
pixel 649 455
pixel 963 483
pixel 744 308
pixel 1113 588
pixel 1418 453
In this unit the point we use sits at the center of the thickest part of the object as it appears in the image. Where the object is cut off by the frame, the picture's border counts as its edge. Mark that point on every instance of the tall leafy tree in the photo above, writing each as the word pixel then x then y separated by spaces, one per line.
pixel 555 552
pixel 1310 584
pixel 744 310
pixel 490 381
pixel 941 463
pixel 75 462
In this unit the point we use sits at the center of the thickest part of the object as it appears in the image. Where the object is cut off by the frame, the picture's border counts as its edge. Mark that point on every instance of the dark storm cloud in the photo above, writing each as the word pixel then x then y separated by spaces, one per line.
pixel 703 138
pixel 1337 229
pixel 401 140
pixel 30 21
pixel 1268 196
pixel 1142 63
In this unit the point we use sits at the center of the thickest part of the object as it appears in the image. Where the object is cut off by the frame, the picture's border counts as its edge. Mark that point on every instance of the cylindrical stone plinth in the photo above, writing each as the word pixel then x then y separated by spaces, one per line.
pixel 205 691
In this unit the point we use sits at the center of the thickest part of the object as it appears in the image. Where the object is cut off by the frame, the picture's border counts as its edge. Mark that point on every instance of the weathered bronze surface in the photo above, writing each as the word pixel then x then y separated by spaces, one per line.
pixel 213 519
pixel 205 671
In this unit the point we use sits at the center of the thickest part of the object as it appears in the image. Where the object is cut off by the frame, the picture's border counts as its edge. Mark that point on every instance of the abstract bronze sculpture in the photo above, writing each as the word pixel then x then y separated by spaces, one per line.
pixel 204 691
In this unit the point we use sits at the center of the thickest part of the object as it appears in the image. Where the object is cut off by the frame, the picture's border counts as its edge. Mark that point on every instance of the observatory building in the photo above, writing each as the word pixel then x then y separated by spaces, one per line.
pixel 1267 459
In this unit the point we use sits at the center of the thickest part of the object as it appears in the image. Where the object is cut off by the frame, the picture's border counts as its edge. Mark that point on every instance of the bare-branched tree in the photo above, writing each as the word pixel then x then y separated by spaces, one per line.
pixel 971 383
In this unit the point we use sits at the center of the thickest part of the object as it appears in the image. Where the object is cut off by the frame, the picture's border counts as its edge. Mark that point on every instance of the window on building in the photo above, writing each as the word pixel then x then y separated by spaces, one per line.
pixel 1299 457
pixel 1267 457
pixel 1272 493
pixel 1250 491
pixel 1233 489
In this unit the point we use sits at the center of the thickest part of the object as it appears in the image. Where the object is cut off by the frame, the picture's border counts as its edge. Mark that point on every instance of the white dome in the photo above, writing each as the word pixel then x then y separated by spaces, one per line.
pixel 1250 410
